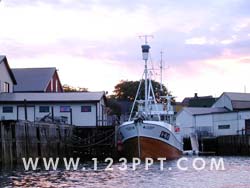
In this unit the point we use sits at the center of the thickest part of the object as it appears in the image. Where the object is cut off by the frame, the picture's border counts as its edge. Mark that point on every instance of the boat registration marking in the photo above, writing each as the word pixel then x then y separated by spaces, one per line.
pixel 164 135
pixel 130 128
pixel 148 127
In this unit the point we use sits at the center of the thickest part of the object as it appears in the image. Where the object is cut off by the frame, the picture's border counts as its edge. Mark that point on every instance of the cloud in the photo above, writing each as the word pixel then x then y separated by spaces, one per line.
pixel 35 24
pixel 91 73
pixel 200 41
pixel 210 76
pixel 104 34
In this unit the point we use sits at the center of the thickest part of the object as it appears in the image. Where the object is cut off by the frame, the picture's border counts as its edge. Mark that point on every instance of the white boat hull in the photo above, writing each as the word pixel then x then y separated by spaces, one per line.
pixel 149 139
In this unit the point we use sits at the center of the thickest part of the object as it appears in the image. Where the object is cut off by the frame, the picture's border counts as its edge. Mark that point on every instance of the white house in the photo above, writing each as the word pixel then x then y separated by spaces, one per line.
pixel 38 96
pixel 77 108
pixel 7 79
pixel 230 115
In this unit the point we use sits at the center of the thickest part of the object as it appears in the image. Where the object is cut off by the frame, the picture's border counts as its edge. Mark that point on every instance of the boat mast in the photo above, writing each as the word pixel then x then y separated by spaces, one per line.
pixel 161 72
pixel 145 51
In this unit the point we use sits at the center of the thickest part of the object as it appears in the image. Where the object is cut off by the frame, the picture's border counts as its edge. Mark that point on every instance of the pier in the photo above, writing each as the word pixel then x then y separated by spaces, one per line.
pixel 23 139
pixel 232 145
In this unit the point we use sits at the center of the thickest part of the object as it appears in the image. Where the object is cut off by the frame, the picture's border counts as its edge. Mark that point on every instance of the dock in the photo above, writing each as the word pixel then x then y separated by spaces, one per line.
pixel 231 145
pixel 23 139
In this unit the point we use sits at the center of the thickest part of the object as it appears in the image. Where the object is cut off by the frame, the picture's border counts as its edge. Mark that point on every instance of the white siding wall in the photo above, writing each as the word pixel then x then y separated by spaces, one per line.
pixel 99 113
pixel 5 77
pixel 186 123
pixel 204 124
pixel 8 116
pixel 226 119
pixel 236 121
pixel 103 112
pixel 79 118
pixel 223 101
pixel 242 117
pixel 204 120
pixel 30 113
pixel 83 118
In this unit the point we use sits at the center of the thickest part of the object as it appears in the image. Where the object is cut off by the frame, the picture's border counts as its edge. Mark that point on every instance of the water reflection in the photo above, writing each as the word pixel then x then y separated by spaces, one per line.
pixel 236 174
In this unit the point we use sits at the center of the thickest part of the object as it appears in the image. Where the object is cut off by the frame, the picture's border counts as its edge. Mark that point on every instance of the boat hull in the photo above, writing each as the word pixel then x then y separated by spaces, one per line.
pixel 149 148
pixel 149 140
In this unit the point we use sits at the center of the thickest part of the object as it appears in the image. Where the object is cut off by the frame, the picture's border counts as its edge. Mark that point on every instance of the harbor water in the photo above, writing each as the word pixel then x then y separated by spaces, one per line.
pixel 236 174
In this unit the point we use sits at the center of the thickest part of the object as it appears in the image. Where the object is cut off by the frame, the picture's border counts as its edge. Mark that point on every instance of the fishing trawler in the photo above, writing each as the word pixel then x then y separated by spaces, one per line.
pixel 150 133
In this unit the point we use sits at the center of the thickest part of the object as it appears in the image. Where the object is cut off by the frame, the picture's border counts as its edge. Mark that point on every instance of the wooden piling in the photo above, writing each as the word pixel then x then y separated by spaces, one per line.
pixel 234 145
pixel 23 139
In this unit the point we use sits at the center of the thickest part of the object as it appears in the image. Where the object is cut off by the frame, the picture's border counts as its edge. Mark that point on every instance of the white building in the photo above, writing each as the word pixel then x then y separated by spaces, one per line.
pixel 230 115
pixel 7 79
pixel 77 108
pixel 38 100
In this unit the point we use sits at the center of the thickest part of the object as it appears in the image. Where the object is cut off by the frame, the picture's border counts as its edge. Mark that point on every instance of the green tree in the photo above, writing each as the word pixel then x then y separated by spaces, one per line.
pixel 114 106
pixel 67 88
pixel 126 90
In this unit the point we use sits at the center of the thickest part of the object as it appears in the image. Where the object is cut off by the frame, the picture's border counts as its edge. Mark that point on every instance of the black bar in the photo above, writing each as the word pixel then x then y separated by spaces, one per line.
pixel 96 115
pixel 52 113
pixel 25 109
pixel 71 120
pixel 17 113
pixel 102 114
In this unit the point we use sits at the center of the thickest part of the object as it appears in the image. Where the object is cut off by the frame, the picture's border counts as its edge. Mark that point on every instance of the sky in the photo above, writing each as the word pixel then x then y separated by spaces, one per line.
pixel 95 43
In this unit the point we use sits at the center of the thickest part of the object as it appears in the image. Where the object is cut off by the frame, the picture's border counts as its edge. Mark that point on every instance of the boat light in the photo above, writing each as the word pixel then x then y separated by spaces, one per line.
pixel 145 51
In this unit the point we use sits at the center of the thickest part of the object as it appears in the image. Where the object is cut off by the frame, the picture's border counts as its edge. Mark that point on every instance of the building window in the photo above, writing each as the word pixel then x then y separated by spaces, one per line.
pixel 85 108
pixel 7 109
pixel 6 87
pixel 223 126
pixel 44 109
pixel 65 108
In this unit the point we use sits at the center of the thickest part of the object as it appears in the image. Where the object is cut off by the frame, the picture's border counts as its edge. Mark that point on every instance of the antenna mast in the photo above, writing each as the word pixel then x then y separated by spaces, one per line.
pixel 161 72
pixel 146 37
pixel 145 51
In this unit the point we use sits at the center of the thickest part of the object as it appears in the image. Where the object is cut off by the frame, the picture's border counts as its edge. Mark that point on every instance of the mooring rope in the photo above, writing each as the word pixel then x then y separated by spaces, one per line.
pixel 89 138
pixel 100 141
